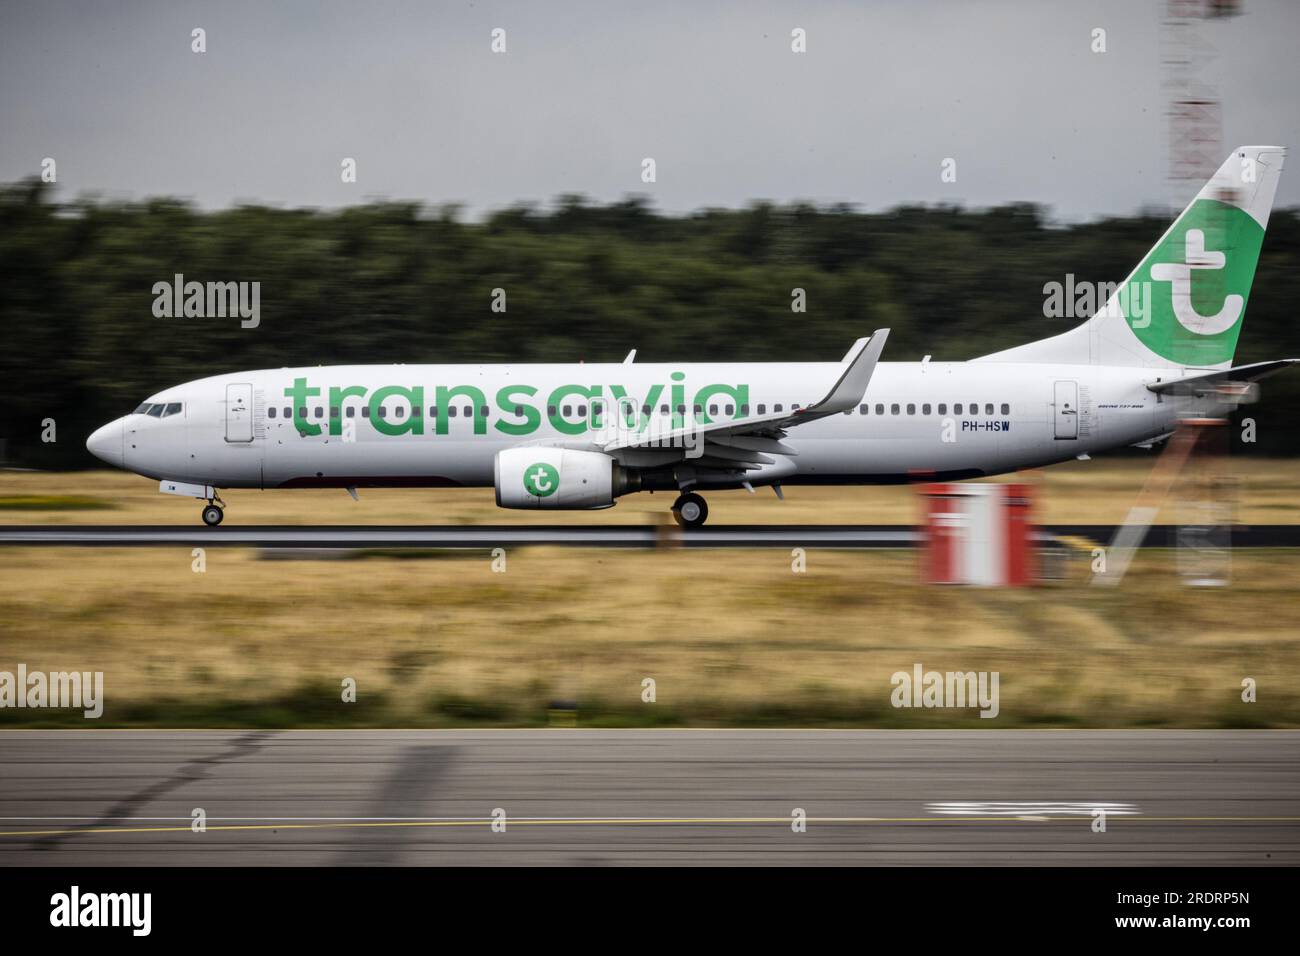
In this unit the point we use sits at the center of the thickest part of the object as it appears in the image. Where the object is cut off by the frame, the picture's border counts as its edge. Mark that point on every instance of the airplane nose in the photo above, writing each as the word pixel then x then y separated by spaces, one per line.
pixel 106 443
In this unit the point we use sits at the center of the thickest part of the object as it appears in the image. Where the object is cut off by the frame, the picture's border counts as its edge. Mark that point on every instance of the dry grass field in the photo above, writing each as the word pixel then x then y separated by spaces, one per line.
pixel 730 637
pixel 1079 492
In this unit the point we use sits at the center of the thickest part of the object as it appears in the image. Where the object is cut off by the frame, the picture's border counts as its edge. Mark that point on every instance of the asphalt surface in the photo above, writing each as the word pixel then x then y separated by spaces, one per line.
pixel 493 536
pixel 605 797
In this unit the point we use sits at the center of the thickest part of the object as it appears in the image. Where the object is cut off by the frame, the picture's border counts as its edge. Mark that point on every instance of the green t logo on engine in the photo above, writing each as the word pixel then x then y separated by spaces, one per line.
pixel 541 479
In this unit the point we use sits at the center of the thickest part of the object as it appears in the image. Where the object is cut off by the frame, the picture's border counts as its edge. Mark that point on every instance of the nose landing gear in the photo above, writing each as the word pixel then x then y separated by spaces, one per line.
pixel 213 513
pixel 690 511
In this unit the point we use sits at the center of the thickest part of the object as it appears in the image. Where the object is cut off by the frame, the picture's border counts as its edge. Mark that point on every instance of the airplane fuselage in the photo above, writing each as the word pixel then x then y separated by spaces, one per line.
pixel 442 425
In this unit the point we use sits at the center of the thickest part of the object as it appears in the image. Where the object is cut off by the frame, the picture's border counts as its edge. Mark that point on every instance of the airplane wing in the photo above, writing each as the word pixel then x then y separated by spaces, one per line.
pixel 747 443
pixel 1242 373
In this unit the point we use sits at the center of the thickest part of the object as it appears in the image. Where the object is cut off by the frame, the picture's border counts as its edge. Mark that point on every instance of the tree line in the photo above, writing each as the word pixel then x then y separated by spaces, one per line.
pixel 575 280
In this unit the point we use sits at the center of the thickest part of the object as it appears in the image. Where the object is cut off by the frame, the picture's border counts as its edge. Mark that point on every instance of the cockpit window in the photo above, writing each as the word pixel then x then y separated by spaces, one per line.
pixel 173 408
pixel 143 409
pixel 155 411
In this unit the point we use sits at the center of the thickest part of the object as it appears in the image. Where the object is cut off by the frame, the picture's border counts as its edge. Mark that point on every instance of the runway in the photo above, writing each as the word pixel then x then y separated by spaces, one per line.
pixel 606 797
pixel 582 536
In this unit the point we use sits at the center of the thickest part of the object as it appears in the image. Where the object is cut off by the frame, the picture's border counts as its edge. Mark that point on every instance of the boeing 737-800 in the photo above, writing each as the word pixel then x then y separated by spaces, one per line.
pixel 577 436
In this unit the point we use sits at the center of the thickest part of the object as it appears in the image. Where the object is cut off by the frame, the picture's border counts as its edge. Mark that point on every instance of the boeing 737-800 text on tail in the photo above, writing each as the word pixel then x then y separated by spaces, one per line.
pixel 578 436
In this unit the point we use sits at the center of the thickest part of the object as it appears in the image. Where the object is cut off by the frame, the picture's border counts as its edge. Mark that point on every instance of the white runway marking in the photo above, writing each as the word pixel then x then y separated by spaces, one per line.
pixel 1031 810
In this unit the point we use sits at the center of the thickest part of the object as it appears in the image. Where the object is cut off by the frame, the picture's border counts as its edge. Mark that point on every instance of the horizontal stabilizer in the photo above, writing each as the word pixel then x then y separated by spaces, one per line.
pixel 1241 373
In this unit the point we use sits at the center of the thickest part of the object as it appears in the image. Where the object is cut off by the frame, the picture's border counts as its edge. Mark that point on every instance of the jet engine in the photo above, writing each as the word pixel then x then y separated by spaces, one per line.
pixel 560 478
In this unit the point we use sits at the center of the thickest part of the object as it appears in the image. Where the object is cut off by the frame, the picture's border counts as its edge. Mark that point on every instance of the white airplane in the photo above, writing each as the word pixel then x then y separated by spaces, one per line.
pixel 578 436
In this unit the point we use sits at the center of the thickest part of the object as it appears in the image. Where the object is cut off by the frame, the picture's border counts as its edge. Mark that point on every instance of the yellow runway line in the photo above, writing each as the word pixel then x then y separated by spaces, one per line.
pixel 647 821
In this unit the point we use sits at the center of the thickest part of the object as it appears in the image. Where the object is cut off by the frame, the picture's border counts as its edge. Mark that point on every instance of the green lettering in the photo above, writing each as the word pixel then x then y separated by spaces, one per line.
pixel 413 424
pixel 299 394
pixel 738 393
pixel 557 421
pixel 337 397
pixel 532 417
pixel 475 395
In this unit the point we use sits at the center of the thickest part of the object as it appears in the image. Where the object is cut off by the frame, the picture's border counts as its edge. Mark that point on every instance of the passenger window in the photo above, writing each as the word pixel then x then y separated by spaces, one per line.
pixel 880 408
pixel 988 408
pixel 320 411
pixel 794 407
pixel 550 410
pixel 713 410
pixel 956 409
pixel 893 409
pixel 681 409
pixel 302 411
pixel 365 411
pixel 398 411
pixel 270 412
pixel 762 409
pixel 568 411
pixel 729 409
pixel 351 411
pixel 778 409
pixel 451 411
pixel 864 409
pixel 925 409
pixel 911 409
pixel 699 410
pixel 744 409
pixel 943 408
pixel 468 411
pixel 663 409
pixel 1006 409
pixel 582 411
pixel 288 412
pixel 383 411
pixel 433 411
pixel 974 408
pixel 334 411
pixel 415 411
pixel 483 411
pixel 519 411
pixel 645 409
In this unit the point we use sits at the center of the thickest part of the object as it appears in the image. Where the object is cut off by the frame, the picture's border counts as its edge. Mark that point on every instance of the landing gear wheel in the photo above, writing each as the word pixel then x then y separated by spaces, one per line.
pixel 690 511
pixel 212 516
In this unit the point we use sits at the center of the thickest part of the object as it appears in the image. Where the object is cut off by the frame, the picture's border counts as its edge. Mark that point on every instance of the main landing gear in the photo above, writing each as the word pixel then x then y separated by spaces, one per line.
pixel 213 513
pixel 690 511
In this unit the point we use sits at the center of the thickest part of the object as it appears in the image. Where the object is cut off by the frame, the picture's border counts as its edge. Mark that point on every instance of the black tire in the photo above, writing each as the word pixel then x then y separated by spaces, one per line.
pixel 690 511
pixel 212 516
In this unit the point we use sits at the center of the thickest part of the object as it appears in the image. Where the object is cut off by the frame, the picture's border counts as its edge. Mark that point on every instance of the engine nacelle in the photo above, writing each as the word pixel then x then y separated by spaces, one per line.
pixel 559 478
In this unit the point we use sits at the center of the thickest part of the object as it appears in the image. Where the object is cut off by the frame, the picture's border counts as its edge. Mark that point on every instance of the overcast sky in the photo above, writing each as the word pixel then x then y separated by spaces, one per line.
pixel 711 91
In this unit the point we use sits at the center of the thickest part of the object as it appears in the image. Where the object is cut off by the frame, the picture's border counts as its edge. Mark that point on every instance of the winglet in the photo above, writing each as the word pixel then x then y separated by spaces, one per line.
pixel 859 364
pixel 854 349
